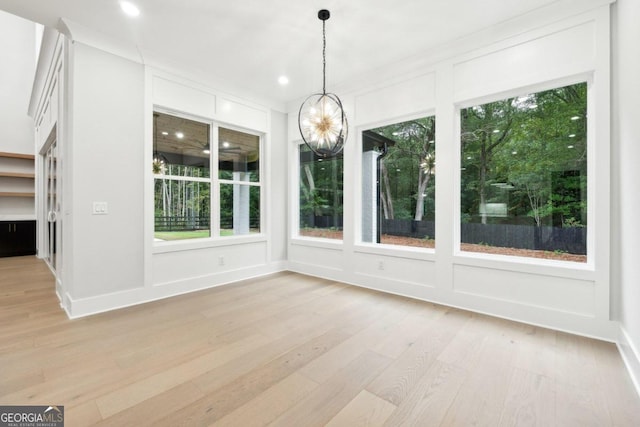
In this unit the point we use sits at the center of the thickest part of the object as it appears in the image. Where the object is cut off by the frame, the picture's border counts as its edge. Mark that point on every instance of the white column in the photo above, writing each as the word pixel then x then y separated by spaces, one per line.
pixel 369 196
pixel 241 204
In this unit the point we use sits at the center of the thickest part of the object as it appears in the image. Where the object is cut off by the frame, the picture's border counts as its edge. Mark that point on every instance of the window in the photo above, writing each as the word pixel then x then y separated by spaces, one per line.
pixel 320 195
pixel 524 175
pixel 182 180
pixel 184 186
pixel 239 175
pixel 398 184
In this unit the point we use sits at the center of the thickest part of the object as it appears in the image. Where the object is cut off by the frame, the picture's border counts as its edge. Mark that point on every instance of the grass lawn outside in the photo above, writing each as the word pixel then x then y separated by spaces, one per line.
pixel 191 234
pixel 180 235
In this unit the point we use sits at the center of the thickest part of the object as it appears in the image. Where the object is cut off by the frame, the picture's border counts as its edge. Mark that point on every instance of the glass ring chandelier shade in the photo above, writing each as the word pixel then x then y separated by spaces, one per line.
pixel 321 119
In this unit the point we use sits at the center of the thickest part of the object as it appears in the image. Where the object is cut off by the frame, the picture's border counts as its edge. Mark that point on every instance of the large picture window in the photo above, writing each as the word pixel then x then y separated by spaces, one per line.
pixel 524 175
pixel 320 195
pixel 184 185
pixel 398 184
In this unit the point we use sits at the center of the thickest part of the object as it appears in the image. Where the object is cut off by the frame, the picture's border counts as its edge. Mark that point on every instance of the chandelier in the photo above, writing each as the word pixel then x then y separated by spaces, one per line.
pixel 321 119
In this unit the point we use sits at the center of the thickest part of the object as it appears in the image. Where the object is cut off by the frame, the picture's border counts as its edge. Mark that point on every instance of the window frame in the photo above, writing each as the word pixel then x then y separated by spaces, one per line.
pixel 481 259
pixel 219 182
pixel 360 208
pixel 214 181
pixel 295 226
pixel 407 252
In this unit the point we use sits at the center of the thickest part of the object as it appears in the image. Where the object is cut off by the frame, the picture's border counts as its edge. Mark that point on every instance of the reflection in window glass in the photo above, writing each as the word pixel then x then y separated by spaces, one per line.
pixel 524 175
pixel 238 152
pixel 320 195
pixel 181 178
pixel 398 184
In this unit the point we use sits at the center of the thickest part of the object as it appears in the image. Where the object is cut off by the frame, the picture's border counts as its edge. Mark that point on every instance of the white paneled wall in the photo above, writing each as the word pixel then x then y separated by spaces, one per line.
pixel 561 295
pixel 626 198
pixel 111 260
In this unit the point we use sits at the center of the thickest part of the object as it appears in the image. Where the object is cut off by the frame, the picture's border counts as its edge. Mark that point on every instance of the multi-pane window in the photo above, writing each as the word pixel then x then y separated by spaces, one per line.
pixel 398 184
pixel 184 185
pixel 524 175
pixel 320 195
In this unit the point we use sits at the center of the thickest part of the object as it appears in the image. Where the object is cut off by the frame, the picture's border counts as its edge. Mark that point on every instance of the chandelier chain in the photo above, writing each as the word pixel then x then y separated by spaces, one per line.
pixel 324 59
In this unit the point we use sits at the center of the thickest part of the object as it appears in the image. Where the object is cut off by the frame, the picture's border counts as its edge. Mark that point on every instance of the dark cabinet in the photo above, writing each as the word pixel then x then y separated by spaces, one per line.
pixel 17 238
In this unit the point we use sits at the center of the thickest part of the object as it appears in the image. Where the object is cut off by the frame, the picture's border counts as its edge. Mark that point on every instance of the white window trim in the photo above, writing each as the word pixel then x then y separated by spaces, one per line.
pixel 403 251
pixel 214 238
pixel 468 258
pixel 296 237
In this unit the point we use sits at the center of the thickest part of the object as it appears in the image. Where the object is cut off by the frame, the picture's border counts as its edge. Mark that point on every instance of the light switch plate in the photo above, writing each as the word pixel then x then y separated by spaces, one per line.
pixel 100 208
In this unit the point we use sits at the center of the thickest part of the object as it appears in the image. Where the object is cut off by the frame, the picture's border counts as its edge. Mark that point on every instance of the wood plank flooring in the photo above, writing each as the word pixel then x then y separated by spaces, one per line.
pixel 291 350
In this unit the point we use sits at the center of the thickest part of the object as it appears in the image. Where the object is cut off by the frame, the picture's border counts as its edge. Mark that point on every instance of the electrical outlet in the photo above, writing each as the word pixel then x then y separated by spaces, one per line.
pixel 380 265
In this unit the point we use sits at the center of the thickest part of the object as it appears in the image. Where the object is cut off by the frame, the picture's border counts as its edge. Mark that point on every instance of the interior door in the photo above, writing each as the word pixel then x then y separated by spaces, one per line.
pixel 51 205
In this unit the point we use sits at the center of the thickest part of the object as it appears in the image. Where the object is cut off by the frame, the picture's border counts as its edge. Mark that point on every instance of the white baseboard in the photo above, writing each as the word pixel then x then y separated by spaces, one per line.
pixel 82 307
pixel 630 356
pixel 538 316
pixel 545 317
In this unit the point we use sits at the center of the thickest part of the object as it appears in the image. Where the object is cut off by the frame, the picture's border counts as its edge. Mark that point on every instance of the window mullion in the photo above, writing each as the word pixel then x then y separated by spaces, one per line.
pixel 215 182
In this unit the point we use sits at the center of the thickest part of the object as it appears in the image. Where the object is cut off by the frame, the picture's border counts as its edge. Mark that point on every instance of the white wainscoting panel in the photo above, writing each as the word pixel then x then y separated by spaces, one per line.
pixel 547 292
pixel 183 98
pixel 557 55
pixel 397 100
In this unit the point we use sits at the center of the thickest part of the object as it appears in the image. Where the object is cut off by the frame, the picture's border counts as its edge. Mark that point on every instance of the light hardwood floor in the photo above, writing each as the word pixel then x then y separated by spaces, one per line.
pixel 291 350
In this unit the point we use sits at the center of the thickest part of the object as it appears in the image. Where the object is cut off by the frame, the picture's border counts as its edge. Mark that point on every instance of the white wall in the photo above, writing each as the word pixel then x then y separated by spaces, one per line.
pixel 536 55
pixel 183 266
pixel 17 44
pixel 276 192
pixel 111 260
pixel 105 157
pixel 626 140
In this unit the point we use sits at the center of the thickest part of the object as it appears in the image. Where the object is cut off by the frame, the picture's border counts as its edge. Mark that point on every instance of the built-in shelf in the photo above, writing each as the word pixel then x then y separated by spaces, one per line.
pixel 16 194
pixel 18 175
pixel 17 155
pixel 17 183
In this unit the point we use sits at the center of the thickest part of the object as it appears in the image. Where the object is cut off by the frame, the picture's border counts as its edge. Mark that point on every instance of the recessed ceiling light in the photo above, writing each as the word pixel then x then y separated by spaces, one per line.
pixel 283 80
pixel 179 135
pixel 165 133
pixel 129 8
pixel 225 144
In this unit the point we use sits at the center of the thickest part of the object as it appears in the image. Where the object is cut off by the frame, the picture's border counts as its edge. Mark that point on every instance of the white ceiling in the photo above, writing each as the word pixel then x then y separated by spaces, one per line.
pixel 250 43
